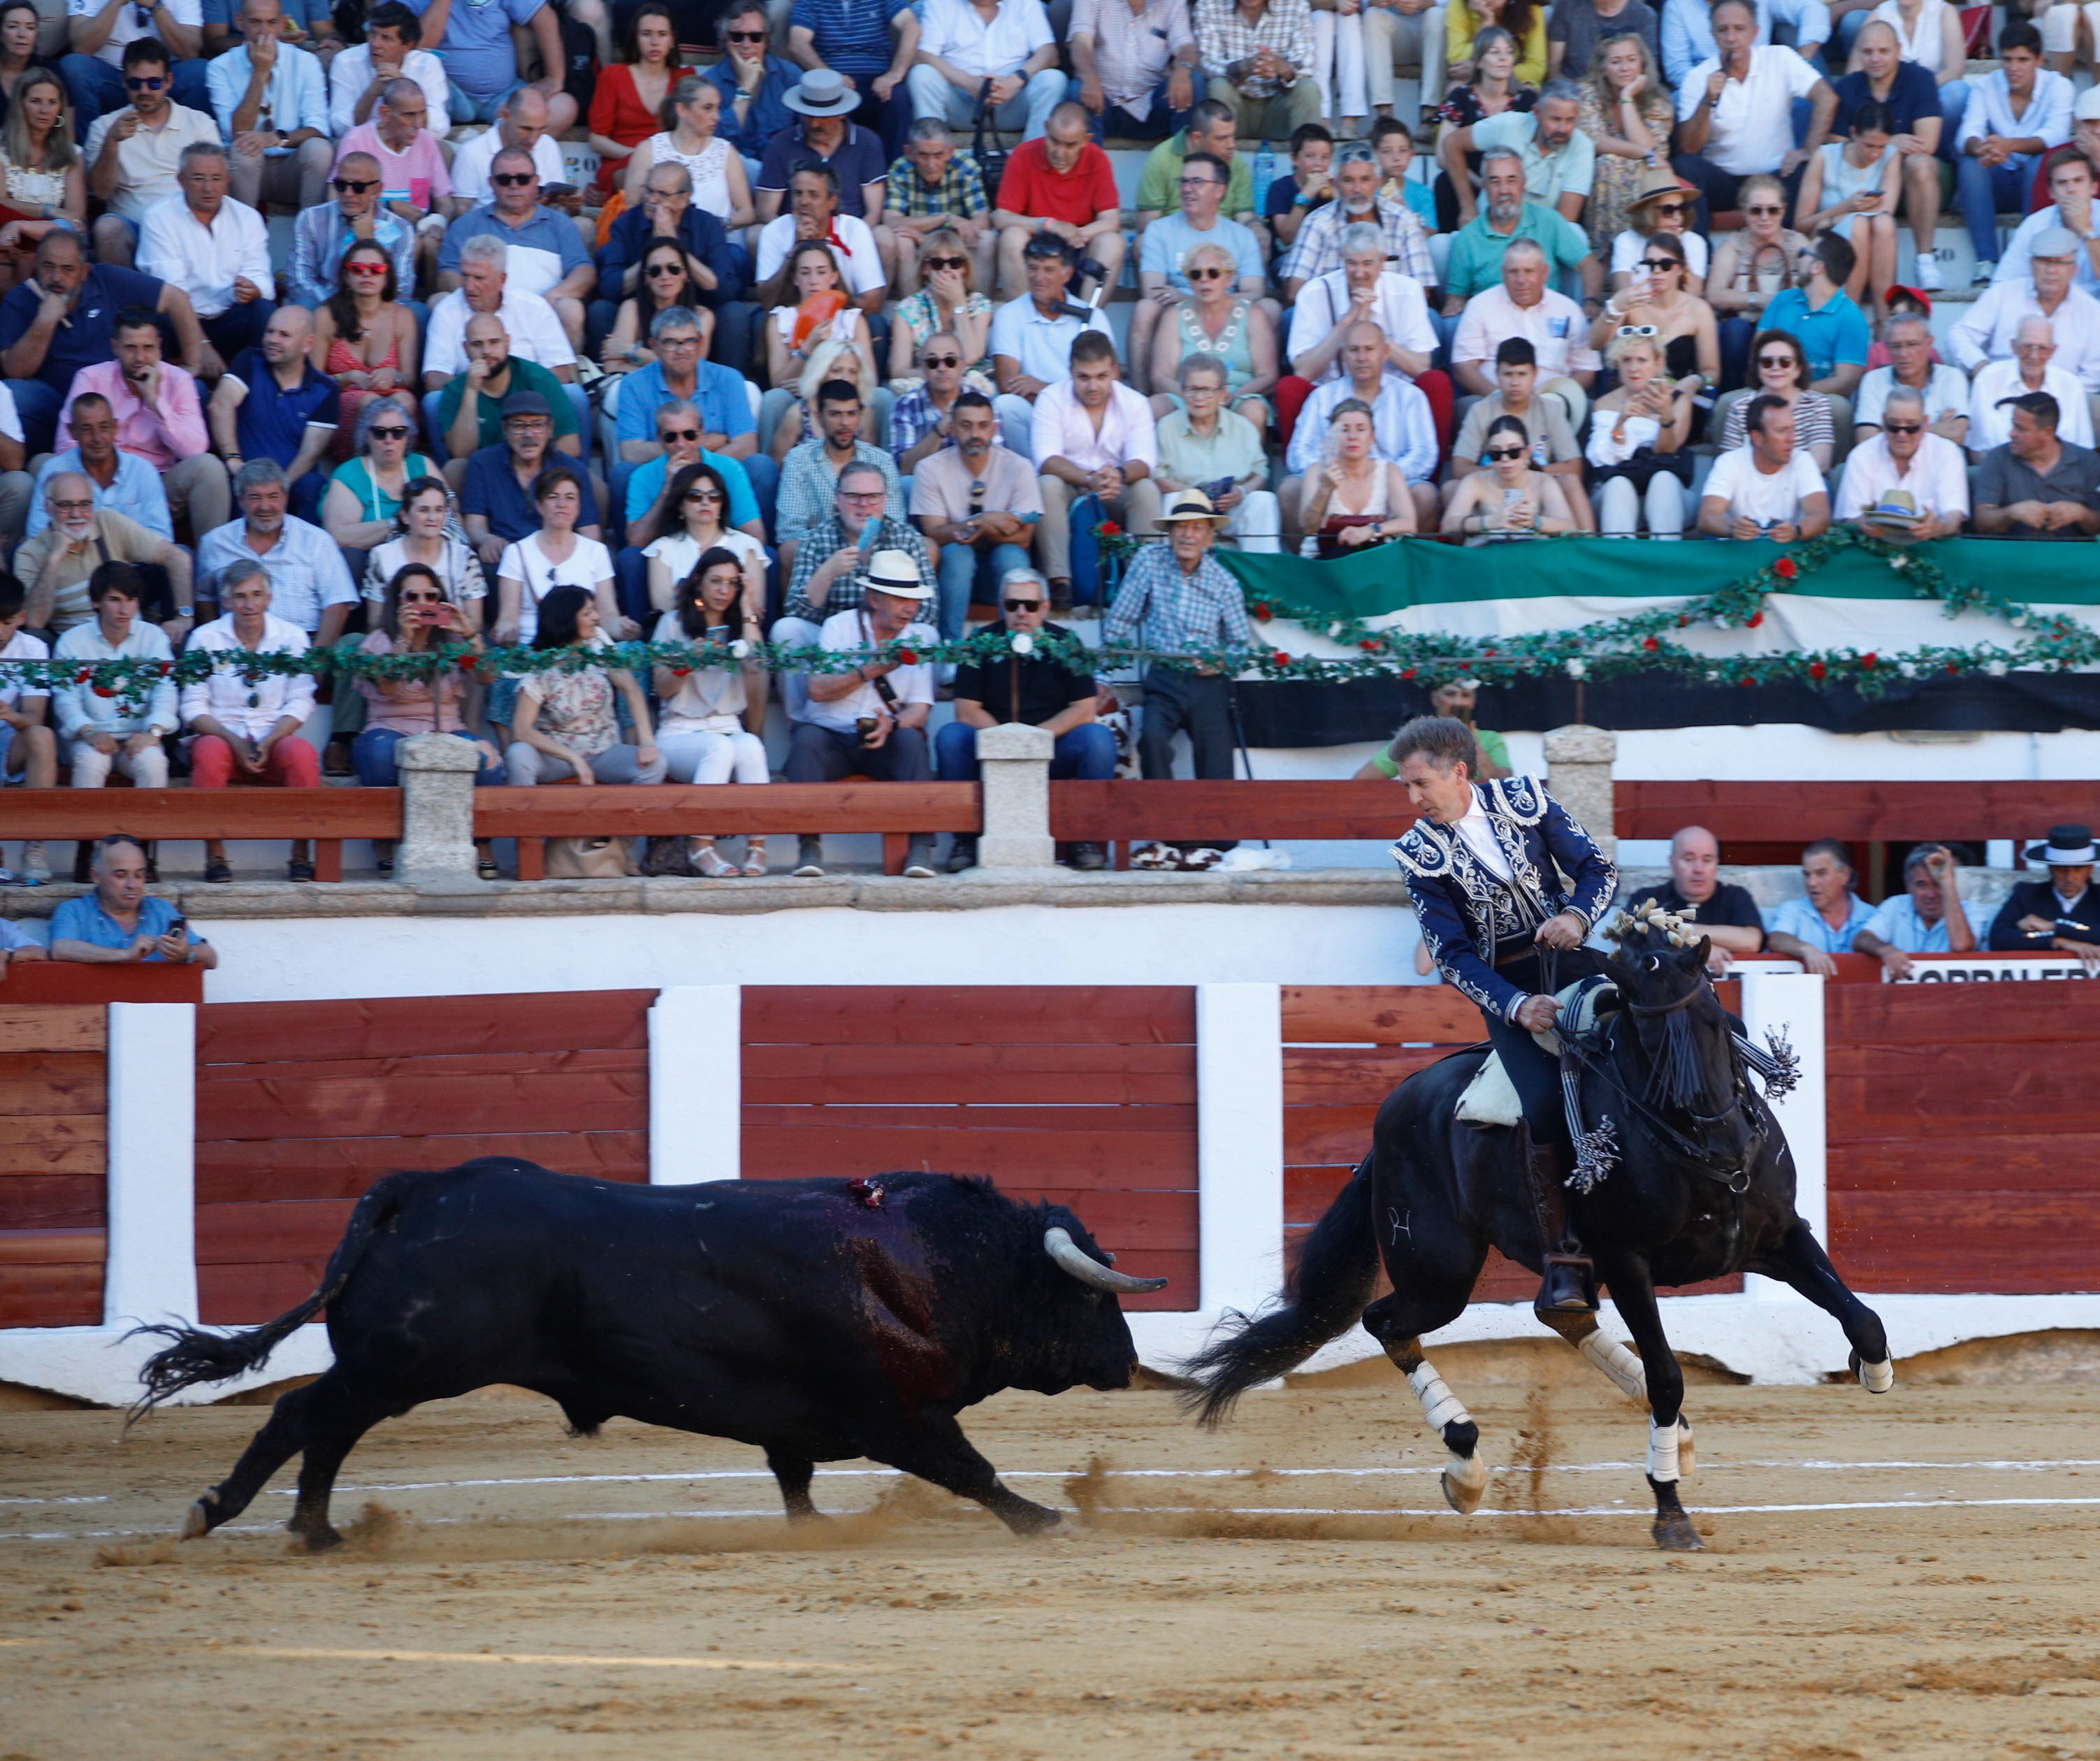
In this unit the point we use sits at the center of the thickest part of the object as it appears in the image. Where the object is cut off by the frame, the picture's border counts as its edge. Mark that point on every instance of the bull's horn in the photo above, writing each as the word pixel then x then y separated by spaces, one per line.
pixel 1060 1246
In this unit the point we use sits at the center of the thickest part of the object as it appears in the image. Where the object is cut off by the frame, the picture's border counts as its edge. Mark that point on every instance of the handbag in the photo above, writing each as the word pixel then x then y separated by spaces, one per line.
pixel 1096 573
pixel 985 148
pixel 586 859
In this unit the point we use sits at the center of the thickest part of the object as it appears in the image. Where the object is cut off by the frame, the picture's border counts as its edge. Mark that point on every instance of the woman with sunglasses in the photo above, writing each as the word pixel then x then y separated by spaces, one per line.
pixel 47 182
pixel 1356 498
pixel 697 521
pixel 364 496
pixel 1637 433
pixel 1508 500
pixel 947 300
pixel 666 280
pixel 1221 322
pixel 708 732
pixel 1781 366
pixel 416 615
pixel 364 338
pixel 1663 206
pixel 690 117
pixel 1851 188
pixel 429 538
pixel 824 336
pixel 1749 267
pixel 1656 305
pixel 630 95
pixel 1627 111
pixel 565 724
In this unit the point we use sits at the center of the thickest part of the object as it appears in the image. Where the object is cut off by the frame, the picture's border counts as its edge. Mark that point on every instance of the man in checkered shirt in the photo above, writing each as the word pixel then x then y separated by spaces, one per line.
pixel 1318 250
pixel 934 187
pixel 1260 55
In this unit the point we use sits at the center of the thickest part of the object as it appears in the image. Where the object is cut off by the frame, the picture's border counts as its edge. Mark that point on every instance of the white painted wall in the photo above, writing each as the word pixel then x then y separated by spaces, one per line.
pixel 1239 1138
pixel 696 1085
pixel 152 1273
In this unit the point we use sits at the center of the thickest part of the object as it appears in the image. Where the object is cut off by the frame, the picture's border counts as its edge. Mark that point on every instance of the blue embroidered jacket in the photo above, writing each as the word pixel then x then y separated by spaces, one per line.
pixel 1467 910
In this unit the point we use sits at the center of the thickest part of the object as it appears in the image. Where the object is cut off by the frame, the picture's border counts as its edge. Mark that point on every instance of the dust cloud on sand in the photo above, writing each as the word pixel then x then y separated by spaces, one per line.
pixel 1883 1581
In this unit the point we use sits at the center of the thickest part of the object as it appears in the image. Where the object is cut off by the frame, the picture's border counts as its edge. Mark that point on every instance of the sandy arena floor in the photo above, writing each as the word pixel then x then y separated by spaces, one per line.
pixel 1882 1581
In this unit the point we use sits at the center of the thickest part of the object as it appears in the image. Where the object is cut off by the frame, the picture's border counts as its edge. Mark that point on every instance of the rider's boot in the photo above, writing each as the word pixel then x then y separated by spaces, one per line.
pixel 1570 1284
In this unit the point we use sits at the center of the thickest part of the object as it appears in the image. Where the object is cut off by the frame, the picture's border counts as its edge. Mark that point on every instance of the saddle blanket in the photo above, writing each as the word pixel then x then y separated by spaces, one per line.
pixel 1490 1098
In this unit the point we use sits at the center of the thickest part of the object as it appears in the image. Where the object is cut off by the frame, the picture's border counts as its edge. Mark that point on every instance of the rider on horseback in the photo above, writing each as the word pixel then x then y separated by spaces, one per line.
pixel 1485 865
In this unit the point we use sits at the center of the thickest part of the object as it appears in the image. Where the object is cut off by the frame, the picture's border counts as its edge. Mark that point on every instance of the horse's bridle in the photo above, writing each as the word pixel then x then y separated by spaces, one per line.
pixel 1690 1148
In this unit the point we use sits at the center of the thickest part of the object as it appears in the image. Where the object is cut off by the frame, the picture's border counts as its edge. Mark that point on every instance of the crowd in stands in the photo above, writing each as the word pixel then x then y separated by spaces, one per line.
pixel 822 353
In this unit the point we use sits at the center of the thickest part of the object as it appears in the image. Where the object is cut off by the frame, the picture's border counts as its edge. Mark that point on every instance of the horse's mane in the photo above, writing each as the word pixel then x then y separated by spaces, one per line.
pixel 1674 1076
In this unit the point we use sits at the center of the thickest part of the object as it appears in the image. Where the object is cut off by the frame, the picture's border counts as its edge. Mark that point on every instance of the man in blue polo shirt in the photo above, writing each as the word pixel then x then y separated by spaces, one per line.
pixel 1824 921
pixel 497 501
pixel 726 422
pixel 1833 330
pixel 546 254
pixel 273 404
pixel 116 924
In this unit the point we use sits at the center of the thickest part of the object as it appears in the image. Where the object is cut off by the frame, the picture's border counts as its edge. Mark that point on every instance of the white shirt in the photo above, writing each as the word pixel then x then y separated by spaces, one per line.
pixel 471 163
pixel 1922 46
pixel 1397 308
pixel 249 710
pixel 679 551
pixel 23 647
pixel 350 72
pixel 1946 390
pixel 1985 331
pixel 861 265
pixel 1749 491
pixel 126 29
pixel 176 245
pixel 843 632
pixel 1064 429
pixel 1554 327
pixel 536 333
pixel 538 575
pixel 1751 127
pixel 1479 837
pixel 2018 254
pixel 1991 426
pixel 1990 112
pixel 1938 480
pixel 1627 248
pixel 953 30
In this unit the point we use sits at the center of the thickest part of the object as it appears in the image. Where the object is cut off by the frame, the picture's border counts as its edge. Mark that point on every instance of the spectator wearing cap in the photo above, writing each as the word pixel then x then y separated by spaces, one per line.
pixel 1177 601
pixel 2000 384
pixel 1824 921
pixel 1767 487
pixel 1907 336
pixel 870 722
pixel 2062 913
pixel 1907 484
pixel 118 923
pixel 496 501
pixel 469 409
pixel 1734 113
pixel 529 321
pixel 981 503
pixel 246 730
pixel 1985 331
pixel 1135 71
pixel 1092 436
pixel 1929 916
pixel 1063 186
pixel 824 133
pixel 1524 305
pixel 1039 689
pixel 1032 337
pixel 1722 911
pixel 2014 115
pixel 1007 63
pixel 2037 485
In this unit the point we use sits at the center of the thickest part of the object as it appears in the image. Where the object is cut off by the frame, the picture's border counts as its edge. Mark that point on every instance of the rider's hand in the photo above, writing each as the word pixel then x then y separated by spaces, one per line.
pixel 1565 931
pixel 1536 1014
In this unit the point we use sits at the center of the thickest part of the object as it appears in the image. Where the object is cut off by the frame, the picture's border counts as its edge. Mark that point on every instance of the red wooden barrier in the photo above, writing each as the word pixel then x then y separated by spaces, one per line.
pixel 1084 1097
pixel 1186 811
pixel 1859 812
pixel 301 1105
pixel 328 815
pixel 67 982
pixel 54 1162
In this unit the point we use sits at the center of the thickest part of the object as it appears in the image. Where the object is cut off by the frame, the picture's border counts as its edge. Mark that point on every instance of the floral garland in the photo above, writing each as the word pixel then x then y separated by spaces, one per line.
pixel 1640 645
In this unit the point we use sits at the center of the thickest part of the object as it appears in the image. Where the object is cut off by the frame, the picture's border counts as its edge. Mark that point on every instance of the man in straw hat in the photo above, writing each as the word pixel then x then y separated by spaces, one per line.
pixel 1484 866
pixel 825 133
pixel 870 720
pixel 1177 601
pixel 1907 483
pixel 2061 912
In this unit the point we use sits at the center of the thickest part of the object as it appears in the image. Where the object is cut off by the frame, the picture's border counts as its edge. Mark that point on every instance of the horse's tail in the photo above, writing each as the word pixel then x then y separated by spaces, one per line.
pixel 196 1356
pixel 1325 1289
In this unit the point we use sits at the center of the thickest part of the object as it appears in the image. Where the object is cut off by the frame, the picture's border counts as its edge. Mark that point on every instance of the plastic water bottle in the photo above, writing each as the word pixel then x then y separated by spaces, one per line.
pixel 1265 174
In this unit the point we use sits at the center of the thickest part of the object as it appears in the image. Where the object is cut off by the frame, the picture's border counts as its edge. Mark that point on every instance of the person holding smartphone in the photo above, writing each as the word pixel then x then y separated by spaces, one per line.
pixel 117 924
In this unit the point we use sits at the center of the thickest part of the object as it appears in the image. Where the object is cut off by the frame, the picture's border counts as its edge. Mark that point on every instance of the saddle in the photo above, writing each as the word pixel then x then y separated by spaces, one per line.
pixel 1490 1098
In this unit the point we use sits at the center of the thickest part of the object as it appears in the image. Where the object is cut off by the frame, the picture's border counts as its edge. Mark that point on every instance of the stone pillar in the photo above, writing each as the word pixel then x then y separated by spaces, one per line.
pixel 1014 761
pixel 437 805
pixel 1578 771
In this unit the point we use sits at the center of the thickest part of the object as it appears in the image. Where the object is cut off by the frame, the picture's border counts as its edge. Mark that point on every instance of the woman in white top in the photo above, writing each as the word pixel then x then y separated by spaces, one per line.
pixel 44 176
pixel 1638 432
pixel 699 519
pixel 1509 499
pixel 706 729
pixel 1663 202
pixel 554 556
pixel 423 522
pixel 1356 498
pixel 838 347
pixel 1929 31
pixel 720 182
pixel 1850 188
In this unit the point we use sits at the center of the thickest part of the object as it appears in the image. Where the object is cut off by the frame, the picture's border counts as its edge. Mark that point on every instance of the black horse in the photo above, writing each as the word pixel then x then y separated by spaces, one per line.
pixel 1703 1188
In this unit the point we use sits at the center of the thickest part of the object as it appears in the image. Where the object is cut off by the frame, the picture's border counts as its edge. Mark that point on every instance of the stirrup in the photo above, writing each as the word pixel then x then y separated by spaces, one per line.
pixel 1568 1287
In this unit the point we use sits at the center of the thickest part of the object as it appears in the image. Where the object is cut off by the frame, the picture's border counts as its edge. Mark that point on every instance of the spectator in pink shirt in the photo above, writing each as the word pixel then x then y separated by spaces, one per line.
pixel 160 416
pixel 413 178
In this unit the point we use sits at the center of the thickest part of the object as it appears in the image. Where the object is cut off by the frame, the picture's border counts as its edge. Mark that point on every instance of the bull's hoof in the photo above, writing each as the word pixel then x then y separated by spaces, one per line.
pixel 1686 1461
pixel 1465 1483
pixel 196 1520
pixel 1875 1378
pixel 1673 1533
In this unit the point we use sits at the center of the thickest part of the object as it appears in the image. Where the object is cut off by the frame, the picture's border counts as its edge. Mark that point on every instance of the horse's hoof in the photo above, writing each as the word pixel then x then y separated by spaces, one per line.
pixel 1875 1378
pixel 324 1539
pixel 196 1520
pixel 1686 1461
pixel 1465 1483
pixel 1673 1533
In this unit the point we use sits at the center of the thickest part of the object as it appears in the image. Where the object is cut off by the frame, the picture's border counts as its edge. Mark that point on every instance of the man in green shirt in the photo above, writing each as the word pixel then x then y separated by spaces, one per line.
pixel 1476 261
pixel 1454 697
pixel 470 409
pixel 1211 130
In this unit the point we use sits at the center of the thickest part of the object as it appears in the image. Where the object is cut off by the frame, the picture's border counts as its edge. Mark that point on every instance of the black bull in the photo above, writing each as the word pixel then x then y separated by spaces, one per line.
pixel 817 1319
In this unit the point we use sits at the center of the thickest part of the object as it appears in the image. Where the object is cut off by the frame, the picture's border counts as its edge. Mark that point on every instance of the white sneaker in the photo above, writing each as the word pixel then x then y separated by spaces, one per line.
pixel 1984 272
pixel 1924 274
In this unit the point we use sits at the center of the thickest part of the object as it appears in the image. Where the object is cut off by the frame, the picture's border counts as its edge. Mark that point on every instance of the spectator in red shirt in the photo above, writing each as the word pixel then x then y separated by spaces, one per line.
pixel 1061 184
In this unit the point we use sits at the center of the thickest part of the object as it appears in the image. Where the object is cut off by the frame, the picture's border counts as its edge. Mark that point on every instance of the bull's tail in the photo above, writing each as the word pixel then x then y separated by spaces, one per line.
pixel 195 1356
pixel 1323 1292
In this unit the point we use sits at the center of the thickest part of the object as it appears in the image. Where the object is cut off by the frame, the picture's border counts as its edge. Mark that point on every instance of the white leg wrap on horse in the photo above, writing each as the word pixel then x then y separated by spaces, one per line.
pixel 1440 1406
pixel 1662 1459
pixel 1877 1378
pixel 1687 1463
pixel 1624 1369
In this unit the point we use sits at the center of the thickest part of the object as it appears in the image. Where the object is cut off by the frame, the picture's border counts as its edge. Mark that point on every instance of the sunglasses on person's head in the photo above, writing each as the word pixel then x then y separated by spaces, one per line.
pixel 945 262
pixel 943 360
pixel 1211 274
pixel 133 84
pixel 1022 605
pixel 677 434
pixel 1506 453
